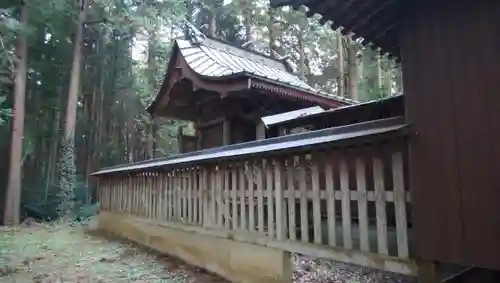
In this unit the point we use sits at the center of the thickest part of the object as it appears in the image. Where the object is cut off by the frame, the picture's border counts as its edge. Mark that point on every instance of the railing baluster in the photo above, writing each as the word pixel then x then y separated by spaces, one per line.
pixel 234 194
pixel 278 189
pixel 126 190
pixel 291 199
pixel 260 196
pixel 205 193
pixel 242 191
pixel 139 194
pixel 104 194
pixel 150 203
pixel 380 210
pixel 251 208
pixel 156 195
pixel 304 220
pixel 226 197
pixel 220 205
pixel 178 194
pixel 121 196
pixel 138 188
pixel 346 205
pixel 111 197
pixel 161 197
pixel 213 204
pixel 185 185
pixel 316 200
pixel 330 195
pixel 400 204
pixel 189 177
pixel 194 178
pixel 168 195
pixel 362 204
pixel 144 194
pixel 270 199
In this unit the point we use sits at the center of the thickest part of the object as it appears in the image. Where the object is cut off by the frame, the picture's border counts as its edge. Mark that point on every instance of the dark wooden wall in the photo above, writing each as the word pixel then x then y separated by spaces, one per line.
pixel 212 136
pixel 187 143
pixel 451 66
pixel 242 131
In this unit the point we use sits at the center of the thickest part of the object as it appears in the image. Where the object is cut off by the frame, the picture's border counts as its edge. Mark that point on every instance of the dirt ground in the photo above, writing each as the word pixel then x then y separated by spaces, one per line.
pixel 62 253
pixel 58 253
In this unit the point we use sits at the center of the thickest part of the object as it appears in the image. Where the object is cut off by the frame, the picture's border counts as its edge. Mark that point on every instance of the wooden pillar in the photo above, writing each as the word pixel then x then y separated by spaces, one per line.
pixel 260 130
pixel 199 136
pixel 226 132
pixel 179 139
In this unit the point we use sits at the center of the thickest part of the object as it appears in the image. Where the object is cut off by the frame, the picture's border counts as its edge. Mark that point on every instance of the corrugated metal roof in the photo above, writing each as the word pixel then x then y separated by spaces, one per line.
pixel 287 116
pixel 215 59
pixel 301 141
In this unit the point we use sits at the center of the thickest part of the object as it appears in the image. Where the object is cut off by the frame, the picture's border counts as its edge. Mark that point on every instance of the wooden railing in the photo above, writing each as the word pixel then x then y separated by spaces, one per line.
pixel 326 202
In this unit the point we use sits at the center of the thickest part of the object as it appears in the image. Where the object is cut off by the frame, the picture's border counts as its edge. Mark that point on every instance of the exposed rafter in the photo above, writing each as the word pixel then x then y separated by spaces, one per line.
pixel 377 22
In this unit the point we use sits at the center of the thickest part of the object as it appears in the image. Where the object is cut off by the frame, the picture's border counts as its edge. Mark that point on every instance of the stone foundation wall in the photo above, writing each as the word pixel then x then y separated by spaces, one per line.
pixel 233 260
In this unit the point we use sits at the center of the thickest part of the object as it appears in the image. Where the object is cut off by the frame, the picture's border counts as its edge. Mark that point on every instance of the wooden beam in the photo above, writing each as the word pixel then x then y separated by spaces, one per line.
pixel 211 122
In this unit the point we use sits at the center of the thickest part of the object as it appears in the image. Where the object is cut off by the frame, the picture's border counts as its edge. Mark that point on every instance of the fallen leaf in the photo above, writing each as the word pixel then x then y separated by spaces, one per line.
pixel 107 259
pixel 7 270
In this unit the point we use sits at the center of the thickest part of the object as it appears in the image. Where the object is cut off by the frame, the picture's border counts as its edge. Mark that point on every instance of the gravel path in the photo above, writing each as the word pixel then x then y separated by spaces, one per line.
pixel 310 270
pixel 53 254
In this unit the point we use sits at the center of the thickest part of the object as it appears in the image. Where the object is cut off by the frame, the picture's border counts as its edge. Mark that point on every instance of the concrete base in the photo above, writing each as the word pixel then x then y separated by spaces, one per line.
pixel 235 261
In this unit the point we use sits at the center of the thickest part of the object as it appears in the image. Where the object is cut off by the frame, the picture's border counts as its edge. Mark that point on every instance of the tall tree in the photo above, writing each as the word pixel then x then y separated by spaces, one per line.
pixel 352 64
pixel 272 31
pixel 379 70
pixel 248 15
pixel 74 84
pixel 67 166
pixel 212 25
pixel 13 199
pixel 340 60
pixel 152 83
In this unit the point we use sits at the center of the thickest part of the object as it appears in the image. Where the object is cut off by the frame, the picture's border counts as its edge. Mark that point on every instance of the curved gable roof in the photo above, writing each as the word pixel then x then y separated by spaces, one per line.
pixel 216 60
pixel 210 61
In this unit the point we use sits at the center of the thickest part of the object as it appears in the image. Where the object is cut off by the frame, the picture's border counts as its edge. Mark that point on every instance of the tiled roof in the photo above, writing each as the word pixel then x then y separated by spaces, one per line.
pixel 215 59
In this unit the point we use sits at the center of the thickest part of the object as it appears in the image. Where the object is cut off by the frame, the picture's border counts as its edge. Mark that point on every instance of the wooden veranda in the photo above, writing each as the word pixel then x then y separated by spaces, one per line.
pixel 338 193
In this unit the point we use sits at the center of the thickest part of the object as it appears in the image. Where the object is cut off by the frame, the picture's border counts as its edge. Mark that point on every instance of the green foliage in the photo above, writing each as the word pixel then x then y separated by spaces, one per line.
pixel 5 113
pixel 118 82
pixel 43 201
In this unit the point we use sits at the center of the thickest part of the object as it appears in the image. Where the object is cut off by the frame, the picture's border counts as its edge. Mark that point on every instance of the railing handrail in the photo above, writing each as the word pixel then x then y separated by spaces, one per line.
pixel 295 142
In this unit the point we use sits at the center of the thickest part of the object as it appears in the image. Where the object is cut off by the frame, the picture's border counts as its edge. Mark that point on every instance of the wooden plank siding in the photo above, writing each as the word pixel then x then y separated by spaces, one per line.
pixel 451 63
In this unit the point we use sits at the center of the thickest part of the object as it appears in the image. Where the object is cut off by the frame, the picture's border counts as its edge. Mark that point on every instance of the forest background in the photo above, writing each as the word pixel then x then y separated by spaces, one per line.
pixel 76 77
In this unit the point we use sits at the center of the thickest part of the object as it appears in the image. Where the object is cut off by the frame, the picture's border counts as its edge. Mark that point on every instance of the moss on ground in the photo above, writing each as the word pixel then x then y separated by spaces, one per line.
pixel 67 253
